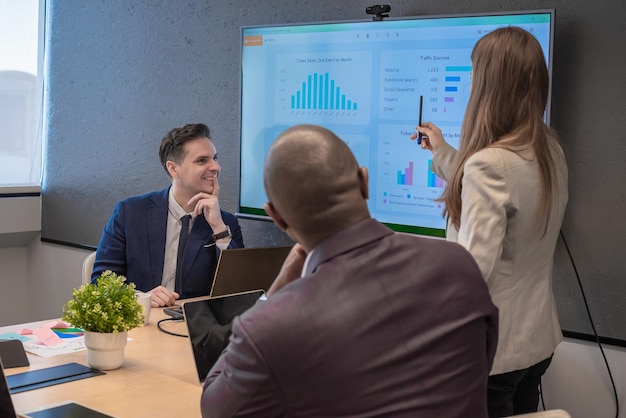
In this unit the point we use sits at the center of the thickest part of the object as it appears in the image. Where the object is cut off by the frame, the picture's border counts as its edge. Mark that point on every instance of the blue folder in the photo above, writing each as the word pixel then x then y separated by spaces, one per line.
pixel 41 378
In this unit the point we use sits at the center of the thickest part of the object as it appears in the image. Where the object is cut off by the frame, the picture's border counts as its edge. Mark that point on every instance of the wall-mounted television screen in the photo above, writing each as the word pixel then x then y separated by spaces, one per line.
pixel 363 80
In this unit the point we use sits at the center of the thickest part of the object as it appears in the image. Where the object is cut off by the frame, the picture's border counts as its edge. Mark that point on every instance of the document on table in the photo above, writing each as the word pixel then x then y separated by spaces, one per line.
pixel 42 350
pixel 49 340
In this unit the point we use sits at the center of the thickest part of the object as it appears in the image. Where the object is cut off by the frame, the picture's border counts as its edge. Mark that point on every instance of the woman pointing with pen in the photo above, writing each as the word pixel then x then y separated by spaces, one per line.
pixel 505 197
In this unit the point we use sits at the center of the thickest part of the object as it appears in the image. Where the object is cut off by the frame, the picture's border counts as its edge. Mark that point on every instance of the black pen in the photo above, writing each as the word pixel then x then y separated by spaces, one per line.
pixel 419 121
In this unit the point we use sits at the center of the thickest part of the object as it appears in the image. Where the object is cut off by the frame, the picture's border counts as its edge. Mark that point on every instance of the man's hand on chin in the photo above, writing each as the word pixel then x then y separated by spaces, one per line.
pixel 291 269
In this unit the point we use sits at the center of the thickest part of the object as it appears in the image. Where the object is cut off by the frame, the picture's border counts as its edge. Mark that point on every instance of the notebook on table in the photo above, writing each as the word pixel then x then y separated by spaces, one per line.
pixel 244 269
pixel 208 323
pixel 58 410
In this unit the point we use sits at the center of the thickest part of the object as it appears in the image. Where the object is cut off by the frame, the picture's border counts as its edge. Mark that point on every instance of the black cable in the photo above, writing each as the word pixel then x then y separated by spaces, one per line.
pixel 595 333
pixel 170 332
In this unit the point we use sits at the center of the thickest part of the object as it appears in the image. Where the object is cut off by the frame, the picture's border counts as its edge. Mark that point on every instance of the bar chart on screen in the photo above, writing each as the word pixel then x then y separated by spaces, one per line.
pixel 321 88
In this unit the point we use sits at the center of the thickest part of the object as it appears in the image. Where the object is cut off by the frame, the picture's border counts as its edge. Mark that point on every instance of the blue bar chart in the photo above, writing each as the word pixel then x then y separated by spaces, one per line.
pixel 320 92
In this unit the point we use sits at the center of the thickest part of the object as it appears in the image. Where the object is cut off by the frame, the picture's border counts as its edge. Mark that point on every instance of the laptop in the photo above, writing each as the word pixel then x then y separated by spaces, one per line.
pixel 244 269
pixel 59 410
pixel 208 323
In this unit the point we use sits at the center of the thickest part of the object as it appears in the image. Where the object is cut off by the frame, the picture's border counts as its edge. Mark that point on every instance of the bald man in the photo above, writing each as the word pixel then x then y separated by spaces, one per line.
pixel 361 321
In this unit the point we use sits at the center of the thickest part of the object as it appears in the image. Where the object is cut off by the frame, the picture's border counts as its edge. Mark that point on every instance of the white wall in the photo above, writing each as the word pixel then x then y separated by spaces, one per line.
pixel 20 222
pixel 13 285
pixel 36 279
pixel 578 381
pixel 53 271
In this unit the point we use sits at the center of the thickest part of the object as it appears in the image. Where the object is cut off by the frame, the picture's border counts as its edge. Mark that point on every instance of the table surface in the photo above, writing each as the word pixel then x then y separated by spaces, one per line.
pixel 158 377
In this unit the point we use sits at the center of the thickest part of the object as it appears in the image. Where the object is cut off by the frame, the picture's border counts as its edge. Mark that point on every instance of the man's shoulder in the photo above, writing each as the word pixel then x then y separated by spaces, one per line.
pixel 154 196
pixel 280 311
pixel 447 254
pixel 229 218
pixel 426 242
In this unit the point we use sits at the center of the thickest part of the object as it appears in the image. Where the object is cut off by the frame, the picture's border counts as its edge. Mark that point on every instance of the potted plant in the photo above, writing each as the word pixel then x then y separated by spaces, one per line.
pixel 105 311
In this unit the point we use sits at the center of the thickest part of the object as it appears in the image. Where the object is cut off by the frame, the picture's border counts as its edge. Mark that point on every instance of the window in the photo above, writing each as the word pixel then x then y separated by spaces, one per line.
pixel 21 91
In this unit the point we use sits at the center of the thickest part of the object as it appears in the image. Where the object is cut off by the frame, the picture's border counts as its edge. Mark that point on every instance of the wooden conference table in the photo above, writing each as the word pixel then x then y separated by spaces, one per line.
pixel 158 377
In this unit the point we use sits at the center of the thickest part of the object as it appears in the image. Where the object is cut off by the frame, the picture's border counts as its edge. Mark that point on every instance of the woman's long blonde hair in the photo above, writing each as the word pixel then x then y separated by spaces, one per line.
pixel 510 85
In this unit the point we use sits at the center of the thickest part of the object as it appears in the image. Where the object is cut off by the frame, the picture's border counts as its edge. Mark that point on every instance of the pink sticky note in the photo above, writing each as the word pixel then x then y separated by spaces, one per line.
pixel 47 336
pixel 56 324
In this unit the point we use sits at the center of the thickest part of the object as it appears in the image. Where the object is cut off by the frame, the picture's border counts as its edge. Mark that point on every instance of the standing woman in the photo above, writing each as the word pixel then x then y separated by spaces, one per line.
pixel 505 197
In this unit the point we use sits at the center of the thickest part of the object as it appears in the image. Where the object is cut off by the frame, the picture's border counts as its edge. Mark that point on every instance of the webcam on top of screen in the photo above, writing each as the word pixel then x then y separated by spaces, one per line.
pixel 379 11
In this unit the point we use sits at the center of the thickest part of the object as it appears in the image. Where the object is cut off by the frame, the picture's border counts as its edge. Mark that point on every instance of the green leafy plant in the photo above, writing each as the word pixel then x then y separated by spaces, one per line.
pixel 108 306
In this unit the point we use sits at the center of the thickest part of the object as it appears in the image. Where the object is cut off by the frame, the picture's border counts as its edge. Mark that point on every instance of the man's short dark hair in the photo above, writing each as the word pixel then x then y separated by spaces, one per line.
pixel 171 148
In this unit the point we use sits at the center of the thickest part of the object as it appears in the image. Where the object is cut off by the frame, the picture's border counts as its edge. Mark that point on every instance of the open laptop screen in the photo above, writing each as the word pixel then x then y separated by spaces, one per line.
pixel 208 325
pixel 244 269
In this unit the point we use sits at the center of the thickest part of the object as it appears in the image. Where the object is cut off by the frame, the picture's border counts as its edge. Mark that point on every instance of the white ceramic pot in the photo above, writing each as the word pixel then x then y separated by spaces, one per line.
pixel 105 351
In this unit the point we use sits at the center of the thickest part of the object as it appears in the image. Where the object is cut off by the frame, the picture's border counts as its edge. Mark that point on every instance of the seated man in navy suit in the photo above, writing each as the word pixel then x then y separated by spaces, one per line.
pixel 142 239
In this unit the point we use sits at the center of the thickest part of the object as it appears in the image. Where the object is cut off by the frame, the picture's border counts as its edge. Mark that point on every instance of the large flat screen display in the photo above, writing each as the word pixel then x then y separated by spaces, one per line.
pixel 363 80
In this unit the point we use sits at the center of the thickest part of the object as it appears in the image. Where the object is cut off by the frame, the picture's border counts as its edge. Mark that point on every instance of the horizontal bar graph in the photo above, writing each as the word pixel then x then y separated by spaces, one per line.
pixel 451 88
pixel 452 83
pixel 320 92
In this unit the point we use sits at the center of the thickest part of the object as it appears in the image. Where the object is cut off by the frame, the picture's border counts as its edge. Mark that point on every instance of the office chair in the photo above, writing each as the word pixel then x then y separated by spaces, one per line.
pixel 552 413
pixel 88 267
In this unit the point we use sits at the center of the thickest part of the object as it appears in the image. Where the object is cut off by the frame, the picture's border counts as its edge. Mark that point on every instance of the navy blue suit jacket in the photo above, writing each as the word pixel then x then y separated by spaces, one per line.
pixel 133 245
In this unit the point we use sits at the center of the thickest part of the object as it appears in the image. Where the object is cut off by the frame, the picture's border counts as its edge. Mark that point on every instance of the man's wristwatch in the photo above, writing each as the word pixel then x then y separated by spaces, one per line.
pixel 222 234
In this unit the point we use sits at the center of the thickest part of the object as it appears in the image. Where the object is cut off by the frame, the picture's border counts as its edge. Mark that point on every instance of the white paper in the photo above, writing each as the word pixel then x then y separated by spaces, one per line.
pixel 41 350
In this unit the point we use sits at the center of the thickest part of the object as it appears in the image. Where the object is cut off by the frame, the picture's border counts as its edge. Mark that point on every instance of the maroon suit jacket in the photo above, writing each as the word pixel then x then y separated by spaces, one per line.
pixel 380 324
